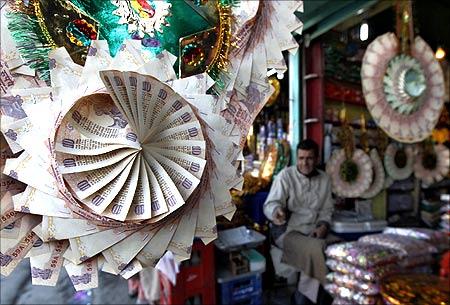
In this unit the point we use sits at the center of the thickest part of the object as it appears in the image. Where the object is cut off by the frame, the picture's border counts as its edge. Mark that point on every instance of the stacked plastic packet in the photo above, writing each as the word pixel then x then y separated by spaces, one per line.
pixel 438 239
pixel 357 269
pixel 417 254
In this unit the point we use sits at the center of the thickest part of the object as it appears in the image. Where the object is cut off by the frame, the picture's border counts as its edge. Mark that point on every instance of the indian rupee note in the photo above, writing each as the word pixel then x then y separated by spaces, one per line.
pixel 69 164
pixel 119 207
pixel 85 184
pixel 172 196
pixel 191 163
pixel 194 148
pixel 102 198
pixel 45 268
pixel 190 131
pixel 121 254
pixel 156 247
pixel 181 243
pixel 70 141
pixel 85 247
pixel 34 201
pixel 56 228
pixel 141 206
pixel 96 117
pixel 184 181
pixel 83 276
pixel 116 85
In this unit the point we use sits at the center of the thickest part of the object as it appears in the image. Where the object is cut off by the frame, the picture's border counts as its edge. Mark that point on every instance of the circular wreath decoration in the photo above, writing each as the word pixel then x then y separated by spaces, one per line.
pixel 404 92
pixel 398 161
pixel 378 176
pixel 56 215
pixel 432 164
pixel 350 177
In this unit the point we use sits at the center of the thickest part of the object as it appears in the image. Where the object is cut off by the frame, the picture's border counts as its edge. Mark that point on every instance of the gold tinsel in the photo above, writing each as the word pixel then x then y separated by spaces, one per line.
pixel 220 60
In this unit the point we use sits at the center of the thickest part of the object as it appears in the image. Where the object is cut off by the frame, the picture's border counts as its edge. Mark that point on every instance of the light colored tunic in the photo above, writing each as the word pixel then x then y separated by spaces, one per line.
pixel 308 199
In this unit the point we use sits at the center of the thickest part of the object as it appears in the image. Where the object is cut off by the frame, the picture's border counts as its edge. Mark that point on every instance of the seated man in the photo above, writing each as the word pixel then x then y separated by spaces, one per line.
pixel 305 193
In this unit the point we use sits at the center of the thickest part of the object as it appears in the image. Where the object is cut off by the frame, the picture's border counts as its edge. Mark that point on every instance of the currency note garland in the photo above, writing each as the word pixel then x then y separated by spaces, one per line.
pixel 131 161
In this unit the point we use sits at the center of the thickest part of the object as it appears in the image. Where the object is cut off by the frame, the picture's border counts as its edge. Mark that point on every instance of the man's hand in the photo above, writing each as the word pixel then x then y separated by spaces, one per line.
pixel 279 217
pixel 320 232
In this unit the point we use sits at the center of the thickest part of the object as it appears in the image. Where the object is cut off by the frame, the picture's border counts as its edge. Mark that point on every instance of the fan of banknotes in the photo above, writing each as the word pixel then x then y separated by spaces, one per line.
pixel 133 154
pixel 119 161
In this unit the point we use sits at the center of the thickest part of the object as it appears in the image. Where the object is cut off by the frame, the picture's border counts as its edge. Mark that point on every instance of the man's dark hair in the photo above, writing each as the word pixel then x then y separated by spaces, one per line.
pixel 309 144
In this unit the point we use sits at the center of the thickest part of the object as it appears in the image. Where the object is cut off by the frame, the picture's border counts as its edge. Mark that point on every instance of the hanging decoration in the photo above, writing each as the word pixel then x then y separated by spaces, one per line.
pixel 132 161
pixel 398 161
pixel 39 26
pixel 350 169
pixel 378 180
pixel 432 163
pixel 403 83
pixel 142 16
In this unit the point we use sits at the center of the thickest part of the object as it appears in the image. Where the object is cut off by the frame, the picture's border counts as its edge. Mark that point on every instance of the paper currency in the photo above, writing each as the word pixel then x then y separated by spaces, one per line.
pixel 194 165
pixel 189 131
pixel 87 183
pixel 45 268
pixel 14 250
pixel 97 118
pixel 56 228
pixel 184 181
pixel 34 201
pixel 83 276
pixel 115 82
pixel 172 196
pixel 193 148
pixel 141 206
pixel 118 209
pixel 7 213
pixel 102 198
pixel 181 243
pixel 75 164
pixel 156 247
pixel 85 247
pixel 121 254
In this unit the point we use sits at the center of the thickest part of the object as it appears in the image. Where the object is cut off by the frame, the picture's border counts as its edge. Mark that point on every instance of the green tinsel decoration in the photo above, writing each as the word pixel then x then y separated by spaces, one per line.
pixel 31 43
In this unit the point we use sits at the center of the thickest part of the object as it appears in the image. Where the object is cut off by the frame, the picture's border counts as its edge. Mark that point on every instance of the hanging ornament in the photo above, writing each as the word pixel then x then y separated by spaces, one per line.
pixel 142 16
pixel 403 83
pixel 350 177
pixel 39 26
pixel 432 164
pixel 214 44
pixel 378 182
pixel 81 32
pixel 398 161
pixel 132 161
pixel 350 169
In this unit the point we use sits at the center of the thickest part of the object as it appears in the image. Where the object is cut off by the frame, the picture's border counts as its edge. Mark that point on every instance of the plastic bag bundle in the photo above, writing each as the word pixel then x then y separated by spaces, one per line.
pixel 416 261
pixel 363 254
pixel 363 274
pixel 436 238
pixel 349 281
pixel 407 246
pixel 350 295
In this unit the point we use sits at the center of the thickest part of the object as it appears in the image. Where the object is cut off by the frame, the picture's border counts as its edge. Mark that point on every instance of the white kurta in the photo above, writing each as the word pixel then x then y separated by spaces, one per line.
pixel 308 199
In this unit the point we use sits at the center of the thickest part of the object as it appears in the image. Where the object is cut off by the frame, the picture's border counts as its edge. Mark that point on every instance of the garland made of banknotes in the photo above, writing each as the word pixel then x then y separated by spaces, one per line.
pixel 132 161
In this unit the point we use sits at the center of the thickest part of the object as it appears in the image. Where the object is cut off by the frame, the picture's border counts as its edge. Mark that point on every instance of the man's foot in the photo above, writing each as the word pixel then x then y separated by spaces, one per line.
pixel 298 298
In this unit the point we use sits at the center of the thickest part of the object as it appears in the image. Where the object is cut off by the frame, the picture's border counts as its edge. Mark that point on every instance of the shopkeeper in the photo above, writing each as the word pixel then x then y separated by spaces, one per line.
pixel 301 195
